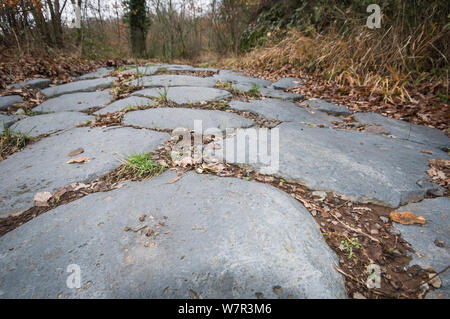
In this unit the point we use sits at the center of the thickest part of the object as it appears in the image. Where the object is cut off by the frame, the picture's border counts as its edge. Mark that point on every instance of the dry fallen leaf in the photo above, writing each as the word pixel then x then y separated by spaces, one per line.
pixel 81 159
pixel 407 218
pixel 41 199
pixel 426 152
pixel 76 152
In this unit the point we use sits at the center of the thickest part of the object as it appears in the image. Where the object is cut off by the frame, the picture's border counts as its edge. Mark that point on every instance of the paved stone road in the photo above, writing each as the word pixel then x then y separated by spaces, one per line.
pixel 218 237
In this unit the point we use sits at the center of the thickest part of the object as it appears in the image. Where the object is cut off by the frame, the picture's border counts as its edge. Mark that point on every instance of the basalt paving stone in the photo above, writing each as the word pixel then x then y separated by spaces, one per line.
pixel 8 100
pixel 217 238
pixel 364 167
pixel 34 83
pixel 99 73
pixel 185 94
pixel 171 118
pixel 42 166
pixel 327 107
pixel 75 102
pixel 267 91
pixel 79 86
pixel 174 80
pixel 431 240
pixel 237 77
pixel 131 101
pixel 405 130
pixel 283 111
pixel 50 123
pixel 287 83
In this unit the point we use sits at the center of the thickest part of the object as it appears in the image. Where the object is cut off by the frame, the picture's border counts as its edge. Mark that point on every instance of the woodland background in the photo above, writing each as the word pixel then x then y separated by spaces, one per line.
pixel 402 64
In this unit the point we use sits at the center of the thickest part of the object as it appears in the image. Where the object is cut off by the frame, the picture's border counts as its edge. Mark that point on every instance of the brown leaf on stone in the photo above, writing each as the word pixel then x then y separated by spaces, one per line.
pixel 426 152
pixel 376 129
pixel 78 160
pixel 407 218
pixel 41 199
pixel 76 152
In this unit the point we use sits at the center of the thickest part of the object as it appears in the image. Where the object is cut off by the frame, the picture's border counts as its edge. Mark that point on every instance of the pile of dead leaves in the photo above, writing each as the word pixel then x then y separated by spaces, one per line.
pixel 440 172
pixel 57 66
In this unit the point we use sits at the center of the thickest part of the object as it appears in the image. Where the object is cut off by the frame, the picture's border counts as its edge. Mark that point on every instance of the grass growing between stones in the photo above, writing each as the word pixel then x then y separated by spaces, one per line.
pixel 12 141
pixel 140 166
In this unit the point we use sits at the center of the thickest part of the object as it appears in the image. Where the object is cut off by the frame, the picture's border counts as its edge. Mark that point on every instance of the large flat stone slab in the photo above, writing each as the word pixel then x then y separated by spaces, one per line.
pixel 222 238
pixel 8 100
pixel 79 86
pixel 174 80
pixel 119 105
pixel 34 83
pixel 185 94
pixel 81 101
pixel 50 123
pixel 283 111
pixel 327 107
pixel 405 130
pixel 99 73
pixel 364 167
pixel 238 77
pixel 42 166
pixel 432 240
pixel 171 118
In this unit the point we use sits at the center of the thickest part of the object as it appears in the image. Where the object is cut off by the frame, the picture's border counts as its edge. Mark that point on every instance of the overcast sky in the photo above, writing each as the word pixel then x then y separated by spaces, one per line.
pixel 108 11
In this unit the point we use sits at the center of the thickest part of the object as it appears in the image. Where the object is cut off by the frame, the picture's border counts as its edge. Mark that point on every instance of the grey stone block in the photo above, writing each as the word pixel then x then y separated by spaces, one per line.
pixel 220 238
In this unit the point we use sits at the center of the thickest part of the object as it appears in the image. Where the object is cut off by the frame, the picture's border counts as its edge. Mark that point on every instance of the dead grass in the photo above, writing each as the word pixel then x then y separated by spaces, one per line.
pixel 386 63
pixel 11 142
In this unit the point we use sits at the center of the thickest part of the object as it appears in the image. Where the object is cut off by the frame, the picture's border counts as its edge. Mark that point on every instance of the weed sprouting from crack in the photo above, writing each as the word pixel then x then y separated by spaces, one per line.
pixel 140 166
pixel 12 141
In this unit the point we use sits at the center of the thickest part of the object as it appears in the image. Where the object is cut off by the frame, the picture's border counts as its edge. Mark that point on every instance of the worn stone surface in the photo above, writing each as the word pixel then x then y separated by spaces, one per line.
pixel 364 167
pixel 99 73
pixel 221 238
pixel 171 118
pixel 270 92
pixel 75 102
pixel 423 238
pixel 174 80
pixel 42 166
pixel 8 100
pixel 327 107
pixel 119 105
pixel 50 123
pixel 238 77
pixel 8 120
pixel 266 91
pixel 185 94
pixel 34 83
pixel 142 70
pixel 405 130
pixel 79 86
pixel 283 111
pixel 287 83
